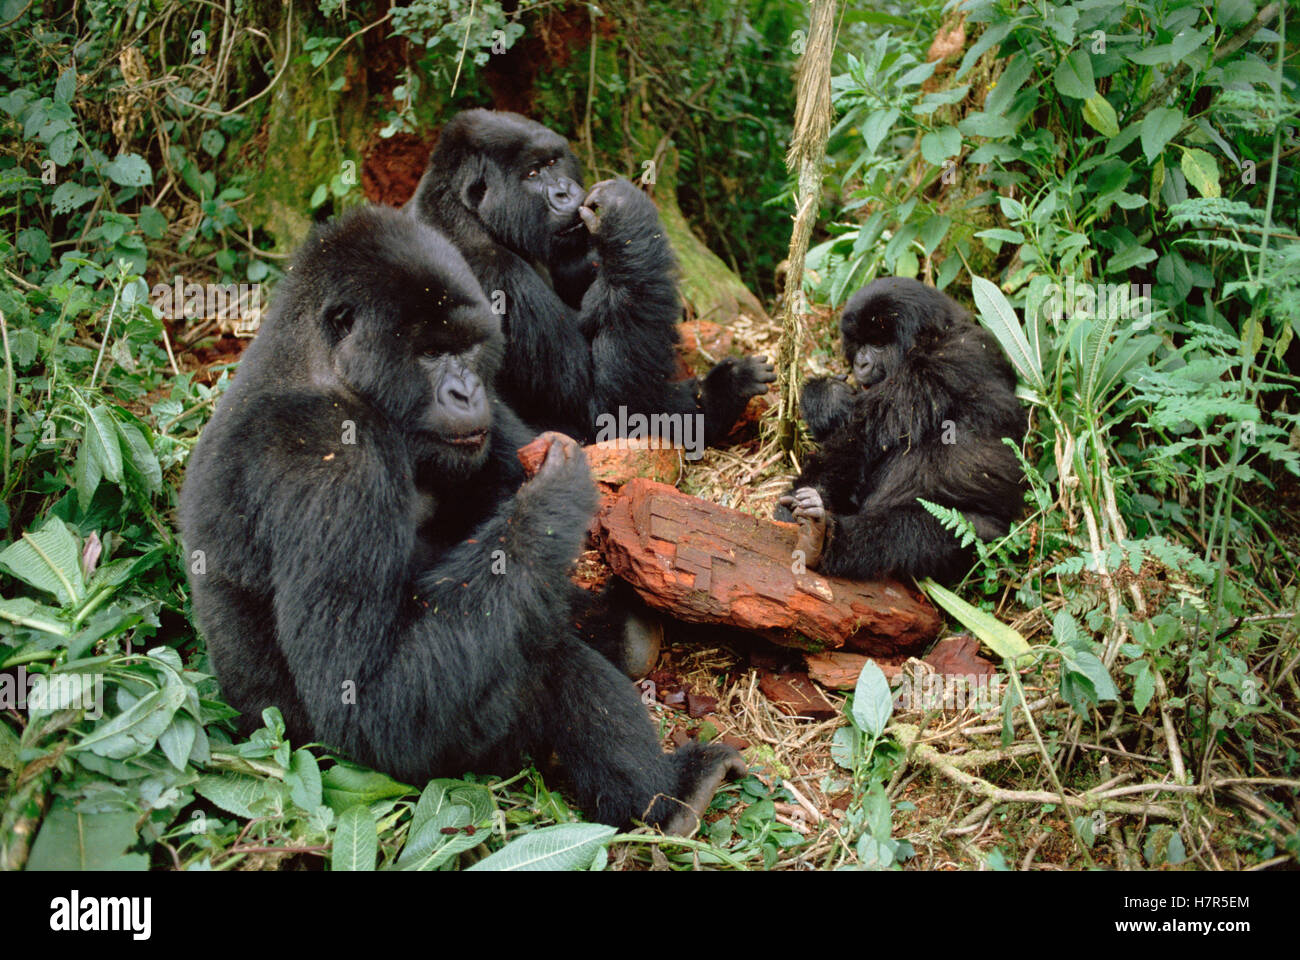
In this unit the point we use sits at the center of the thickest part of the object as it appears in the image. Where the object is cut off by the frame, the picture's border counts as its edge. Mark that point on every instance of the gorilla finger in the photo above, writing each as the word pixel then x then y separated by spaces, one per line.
pixel 590 218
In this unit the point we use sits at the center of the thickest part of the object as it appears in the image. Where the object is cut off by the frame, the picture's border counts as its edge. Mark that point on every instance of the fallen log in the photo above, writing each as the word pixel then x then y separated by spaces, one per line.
pixel 707 563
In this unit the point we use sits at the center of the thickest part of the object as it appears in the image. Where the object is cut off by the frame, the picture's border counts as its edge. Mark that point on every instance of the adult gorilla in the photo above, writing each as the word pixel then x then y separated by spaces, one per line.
pixel 367 556
pixel 935 396
pixel 588 279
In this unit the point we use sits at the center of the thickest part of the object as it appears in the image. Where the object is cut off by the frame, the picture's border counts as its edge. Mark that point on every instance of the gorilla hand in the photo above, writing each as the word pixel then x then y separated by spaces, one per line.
pixel 741 376
pixel 826 403
pixel 806 505
pixel 557 504
pixel 614 209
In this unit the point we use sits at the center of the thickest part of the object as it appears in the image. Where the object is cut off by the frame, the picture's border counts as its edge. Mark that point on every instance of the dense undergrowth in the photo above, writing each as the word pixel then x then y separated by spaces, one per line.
pixel 1038 155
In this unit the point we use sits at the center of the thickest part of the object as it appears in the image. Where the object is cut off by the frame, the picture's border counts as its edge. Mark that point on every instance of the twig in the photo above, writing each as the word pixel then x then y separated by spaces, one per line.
pixel 348 39
pixel 464 46
pixel 108 328
pixel 802 801
pixel 9 396
pixel 288 55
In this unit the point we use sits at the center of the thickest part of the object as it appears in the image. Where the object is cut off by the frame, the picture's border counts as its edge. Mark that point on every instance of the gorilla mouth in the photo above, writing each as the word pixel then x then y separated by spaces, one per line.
pixel 473 439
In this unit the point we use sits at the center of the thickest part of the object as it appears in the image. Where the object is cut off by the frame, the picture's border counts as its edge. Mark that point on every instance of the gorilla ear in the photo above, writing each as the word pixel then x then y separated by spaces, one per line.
pixel 337 318
pixel 473 184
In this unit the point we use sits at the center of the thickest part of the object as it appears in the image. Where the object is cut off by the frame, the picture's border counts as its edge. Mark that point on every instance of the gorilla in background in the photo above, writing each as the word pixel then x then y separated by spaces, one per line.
pixel 368 557
pixel 935 397
pixel 591 304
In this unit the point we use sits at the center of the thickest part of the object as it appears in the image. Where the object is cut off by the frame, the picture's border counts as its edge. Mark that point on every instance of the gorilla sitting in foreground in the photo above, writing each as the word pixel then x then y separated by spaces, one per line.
pixel 588 281
pixel 367 555
pixel 935 397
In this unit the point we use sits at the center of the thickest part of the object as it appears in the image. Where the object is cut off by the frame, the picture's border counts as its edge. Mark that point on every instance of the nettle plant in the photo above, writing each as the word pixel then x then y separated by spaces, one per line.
pixel 1094 149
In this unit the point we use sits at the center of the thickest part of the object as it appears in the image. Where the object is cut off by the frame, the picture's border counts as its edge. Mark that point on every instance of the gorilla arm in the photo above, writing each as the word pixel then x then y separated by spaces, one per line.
pixel 410 646
pixel 630 312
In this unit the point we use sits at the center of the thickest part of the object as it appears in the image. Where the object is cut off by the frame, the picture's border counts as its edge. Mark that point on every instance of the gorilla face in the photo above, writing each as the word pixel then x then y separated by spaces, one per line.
pixel 411 334
pixel 887 319
pixel 519 179
pixel 871 342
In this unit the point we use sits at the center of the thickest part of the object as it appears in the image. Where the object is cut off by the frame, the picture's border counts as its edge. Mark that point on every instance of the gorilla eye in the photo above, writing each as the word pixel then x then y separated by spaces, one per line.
pixel 531 174
pixel 550 162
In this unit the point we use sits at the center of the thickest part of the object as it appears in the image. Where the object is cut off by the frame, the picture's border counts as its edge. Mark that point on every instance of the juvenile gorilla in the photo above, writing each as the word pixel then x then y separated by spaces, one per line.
pixel 588 278
pixel 369 558
pixel 935 396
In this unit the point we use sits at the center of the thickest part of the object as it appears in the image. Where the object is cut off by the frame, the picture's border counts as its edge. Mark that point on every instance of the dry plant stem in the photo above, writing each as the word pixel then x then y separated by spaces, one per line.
pixel 812 122
pixel 9 395
pixel 1112 596
pixel 349 38
pixel 1033 849
pixel 803 801
pixel 951 768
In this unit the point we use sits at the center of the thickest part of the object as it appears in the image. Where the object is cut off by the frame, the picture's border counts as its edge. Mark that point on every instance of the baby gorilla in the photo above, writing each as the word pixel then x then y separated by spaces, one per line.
pixel 935 397
pixel 368 557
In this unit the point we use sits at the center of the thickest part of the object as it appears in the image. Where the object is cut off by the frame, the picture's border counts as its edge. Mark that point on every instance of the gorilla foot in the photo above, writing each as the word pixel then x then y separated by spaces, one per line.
pixel 704 767
pixel 805 506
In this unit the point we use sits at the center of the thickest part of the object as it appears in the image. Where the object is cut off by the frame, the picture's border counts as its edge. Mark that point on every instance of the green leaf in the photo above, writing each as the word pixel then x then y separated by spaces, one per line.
pixel 238 793
pixel 35 244
pixel 1082 665
pixel 142 458
pixel 303 778
pixel 1073 76
pixel 877 127
pixel 103 443
pixel 62 145
pixel 1001 235
pixel 1201 172
pixel 1144 687
pixel 447 820
pixel 69 195
pixel 1100 115
pixel 86 841
pixel 86 475
pixel 997 314
pixel 65 88
pixel 356 840
pixel 567 846
pixel 347 785
pixel 1134 255
pixel 1003 640
pixel 152 222
pixel 49 559
pixel 986 125
pixel 28 613
pixel 938 145
pixel 212 142
pixel 9 747
pixel 319 196
pixel 129 170
pixel 873 701
pixel 134 731
pixel 1159 127
pixel 178 740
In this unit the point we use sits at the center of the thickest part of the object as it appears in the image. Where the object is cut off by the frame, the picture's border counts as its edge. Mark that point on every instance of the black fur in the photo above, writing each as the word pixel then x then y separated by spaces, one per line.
pixel 926 373
pixel 590 320
pixel 352 584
